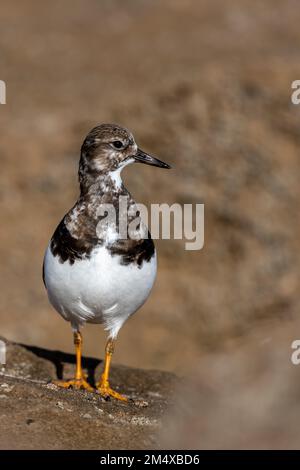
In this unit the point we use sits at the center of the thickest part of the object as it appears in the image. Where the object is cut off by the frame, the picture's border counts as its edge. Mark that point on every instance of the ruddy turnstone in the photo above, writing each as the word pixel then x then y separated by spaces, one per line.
pixel 96 276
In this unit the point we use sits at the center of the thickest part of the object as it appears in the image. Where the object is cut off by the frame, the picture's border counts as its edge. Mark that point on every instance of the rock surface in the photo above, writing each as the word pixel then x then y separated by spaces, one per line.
pixel 35 414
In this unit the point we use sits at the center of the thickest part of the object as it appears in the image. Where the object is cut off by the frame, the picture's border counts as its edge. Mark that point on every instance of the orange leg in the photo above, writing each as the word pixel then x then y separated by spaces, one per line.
pixel 79 382
pixel 103 386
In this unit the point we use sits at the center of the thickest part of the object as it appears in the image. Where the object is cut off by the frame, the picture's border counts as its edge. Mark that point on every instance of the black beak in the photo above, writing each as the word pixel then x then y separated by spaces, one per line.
pixel 143 157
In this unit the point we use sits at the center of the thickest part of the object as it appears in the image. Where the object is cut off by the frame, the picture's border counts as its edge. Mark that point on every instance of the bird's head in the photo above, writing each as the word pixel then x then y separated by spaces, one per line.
pixel 108 148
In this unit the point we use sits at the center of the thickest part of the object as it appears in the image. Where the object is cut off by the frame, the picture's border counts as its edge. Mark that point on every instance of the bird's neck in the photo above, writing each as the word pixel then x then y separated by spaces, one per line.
pixel 102 184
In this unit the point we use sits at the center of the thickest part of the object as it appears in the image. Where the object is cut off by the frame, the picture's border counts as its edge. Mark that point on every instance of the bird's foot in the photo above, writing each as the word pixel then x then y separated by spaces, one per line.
pixel 77 384
pixel 104 389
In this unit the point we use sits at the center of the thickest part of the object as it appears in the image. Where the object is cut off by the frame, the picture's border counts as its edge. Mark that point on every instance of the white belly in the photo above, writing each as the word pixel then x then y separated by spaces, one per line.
pixel 99 289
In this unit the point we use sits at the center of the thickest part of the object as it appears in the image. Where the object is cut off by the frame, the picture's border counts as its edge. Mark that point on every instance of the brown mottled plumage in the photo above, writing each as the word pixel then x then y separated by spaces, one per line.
pixel 105 151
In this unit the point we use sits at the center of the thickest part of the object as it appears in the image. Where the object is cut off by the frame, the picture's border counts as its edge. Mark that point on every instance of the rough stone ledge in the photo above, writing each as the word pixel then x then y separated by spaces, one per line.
pixel 35 414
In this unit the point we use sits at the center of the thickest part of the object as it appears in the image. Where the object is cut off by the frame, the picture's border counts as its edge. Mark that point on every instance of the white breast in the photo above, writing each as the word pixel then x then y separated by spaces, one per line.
pixel 98 289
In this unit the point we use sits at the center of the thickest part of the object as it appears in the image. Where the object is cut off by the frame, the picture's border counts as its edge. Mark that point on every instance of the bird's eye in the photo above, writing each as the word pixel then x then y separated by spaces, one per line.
pixel 117 144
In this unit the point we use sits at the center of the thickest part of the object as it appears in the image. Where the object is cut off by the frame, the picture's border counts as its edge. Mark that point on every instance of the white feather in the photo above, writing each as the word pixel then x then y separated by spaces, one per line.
pixel 99 289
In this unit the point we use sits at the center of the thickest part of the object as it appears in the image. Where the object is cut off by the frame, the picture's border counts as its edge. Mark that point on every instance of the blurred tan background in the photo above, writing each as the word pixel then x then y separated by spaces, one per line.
pixel 203 85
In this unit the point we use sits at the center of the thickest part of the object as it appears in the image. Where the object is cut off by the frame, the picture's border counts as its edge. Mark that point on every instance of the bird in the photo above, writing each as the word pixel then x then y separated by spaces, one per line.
pixel 101 276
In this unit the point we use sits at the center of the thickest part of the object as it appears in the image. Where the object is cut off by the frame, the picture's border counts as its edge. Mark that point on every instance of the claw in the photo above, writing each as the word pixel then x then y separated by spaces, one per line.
pixel 106 392
pixel 77 384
